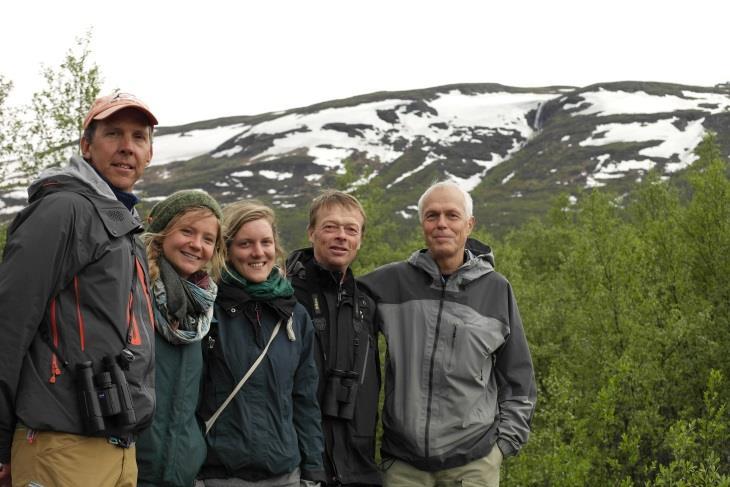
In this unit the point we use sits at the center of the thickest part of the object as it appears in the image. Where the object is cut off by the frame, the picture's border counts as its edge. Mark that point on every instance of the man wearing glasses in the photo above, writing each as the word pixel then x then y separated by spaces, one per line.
pixel 346 349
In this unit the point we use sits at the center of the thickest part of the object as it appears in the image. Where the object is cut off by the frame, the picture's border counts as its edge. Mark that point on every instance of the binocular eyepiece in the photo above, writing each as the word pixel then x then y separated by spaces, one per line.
pixel 340 394
pixel 104 398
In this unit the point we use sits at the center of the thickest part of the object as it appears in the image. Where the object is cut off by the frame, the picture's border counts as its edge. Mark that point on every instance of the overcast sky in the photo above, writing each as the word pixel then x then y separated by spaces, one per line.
pixel 218 58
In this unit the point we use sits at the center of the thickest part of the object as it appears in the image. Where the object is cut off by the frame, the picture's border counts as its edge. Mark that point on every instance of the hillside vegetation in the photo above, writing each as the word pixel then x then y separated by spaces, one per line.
pixel 627 310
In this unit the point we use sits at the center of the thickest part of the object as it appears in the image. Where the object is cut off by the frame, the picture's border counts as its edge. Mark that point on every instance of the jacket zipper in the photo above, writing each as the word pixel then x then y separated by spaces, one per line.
pixel 134 338
pixel 453 346
pixel 55 369
pixel 427 434
pixel 145 290
pixel 79 317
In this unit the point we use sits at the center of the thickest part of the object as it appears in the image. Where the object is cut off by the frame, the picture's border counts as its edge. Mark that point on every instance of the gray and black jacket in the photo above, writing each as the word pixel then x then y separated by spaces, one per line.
pixel 73 288
pixel 459 376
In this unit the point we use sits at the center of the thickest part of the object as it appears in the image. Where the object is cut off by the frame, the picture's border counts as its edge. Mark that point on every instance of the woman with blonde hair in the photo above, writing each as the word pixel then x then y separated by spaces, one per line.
pixel 186 253
pixel 260 381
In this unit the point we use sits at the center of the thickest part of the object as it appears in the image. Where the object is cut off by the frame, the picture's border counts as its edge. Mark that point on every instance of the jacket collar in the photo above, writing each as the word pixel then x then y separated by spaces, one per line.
pixel 79 177
pixel 234 300
pixel 302 264
pixel 478 262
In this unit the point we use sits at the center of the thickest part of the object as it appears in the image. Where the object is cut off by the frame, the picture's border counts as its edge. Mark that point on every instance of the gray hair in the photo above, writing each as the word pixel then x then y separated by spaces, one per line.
pixel 468 202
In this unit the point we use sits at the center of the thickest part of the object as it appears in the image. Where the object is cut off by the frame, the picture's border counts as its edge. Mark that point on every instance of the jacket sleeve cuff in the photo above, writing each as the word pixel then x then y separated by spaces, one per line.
pixel 506 448
pixel 4 455
pixel 313 475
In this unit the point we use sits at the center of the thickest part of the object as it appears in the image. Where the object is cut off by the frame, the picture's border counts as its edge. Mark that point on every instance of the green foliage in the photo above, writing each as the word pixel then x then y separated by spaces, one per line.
pixel 46 132
pixel 625 304
pixel 9 126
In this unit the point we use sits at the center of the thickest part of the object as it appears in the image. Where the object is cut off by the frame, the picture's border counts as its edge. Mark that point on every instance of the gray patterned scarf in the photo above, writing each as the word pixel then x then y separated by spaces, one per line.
pixel 183 310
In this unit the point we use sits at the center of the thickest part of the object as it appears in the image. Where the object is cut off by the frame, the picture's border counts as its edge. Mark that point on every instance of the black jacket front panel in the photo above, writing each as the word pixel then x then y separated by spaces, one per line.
pixel 343 318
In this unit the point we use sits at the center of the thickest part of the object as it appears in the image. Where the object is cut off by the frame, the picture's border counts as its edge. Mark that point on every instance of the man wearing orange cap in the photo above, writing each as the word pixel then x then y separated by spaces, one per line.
pixel 76 323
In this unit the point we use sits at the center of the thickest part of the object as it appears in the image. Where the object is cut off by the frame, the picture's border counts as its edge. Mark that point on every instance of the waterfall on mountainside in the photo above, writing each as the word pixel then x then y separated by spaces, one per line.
pixel 537 116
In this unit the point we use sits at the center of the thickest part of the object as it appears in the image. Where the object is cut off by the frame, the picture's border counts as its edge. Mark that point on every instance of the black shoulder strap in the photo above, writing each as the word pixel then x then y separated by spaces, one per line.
pixel 294 266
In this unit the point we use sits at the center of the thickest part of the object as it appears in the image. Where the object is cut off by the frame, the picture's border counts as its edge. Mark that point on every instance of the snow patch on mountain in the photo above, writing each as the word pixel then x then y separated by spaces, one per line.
pixel 468 184
pixel 603 102
pixel 183 146
pixel 674 143
pixel 334 134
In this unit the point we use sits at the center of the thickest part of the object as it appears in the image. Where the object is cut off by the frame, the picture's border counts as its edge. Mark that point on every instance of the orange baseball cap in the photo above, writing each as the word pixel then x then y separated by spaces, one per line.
pixel 106 105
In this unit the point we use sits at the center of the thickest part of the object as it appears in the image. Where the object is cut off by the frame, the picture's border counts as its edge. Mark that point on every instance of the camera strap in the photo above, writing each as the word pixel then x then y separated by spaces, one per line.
pixel 214 418
pixel 362 334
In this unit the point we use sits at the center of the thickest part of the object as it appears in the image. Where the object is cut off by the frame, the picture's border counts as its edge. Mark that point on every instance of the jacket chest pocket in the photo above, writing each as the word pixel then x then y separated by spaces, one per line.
pixel 470 346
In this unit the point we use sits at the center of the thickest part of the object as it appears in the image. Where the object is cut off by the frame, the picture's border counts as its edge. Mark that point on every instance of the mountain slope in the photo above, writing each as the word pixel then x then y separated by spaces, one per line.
pixel 513 148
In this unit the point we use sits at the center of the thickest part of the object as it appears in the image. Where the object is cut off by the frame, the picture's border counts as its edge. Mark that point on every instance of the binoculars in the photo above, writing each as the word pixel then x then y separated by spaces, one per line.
pixel 340 394
pixel 104 398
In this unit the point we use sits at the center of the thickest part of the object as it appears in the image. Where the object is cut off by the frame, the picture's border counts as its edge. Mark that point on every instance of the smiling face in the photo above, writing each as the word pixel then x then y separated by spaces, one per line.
pixel 252 250
pixel 446 227
pixel 189 242
pixel 120 148
pixel 336 236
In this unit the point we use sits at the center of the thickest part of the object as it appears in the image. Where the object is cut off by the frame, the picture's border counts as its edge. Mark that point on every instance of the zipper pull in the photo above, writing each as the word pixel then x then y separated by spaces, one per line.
pixel 55 369
pixel 257 309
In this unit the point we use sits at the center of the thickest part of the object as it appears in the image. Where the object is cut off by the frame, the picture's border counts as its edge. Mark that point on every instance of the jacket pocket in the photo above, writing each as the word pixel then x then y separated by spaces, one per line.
pixel 366 407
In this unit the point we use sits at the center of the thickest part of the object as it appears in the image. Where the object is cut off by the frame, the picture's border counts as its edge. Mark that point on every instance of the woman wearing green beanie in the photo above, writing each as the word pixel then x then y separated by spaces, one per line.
pixel 267 432
pixel 186 253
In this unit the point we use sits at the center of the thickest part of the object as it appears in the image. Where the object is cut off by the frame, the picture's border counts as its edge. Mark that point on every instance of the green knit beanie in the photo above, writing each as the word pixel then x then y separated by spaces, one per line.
pixel 165 210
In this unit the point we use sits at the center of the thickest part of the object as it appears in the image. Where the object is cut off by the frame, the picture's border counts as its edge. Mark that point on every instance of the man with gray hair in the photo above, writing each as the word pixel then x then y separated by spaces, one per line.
pixel 460 387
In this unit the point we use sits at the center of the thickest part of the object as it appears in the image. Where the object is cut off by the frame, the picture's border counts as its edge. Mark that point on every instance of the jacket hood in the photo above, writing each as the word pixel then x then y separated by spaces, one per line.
pixel 77 170
pixel 478 261
pixel 297 260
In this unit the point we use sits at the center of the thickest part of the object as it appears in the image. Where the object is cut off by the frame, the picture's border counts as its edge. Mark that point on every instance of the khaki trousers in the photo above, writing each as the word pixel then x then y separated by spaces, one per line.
pixel 64 460
pixel 483 472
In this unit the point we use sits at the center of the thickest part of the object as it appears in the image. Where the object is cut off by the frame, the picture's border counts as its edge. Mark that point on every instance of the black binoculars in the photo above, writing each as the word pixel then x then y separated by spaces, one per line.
pixel 104 398
pixel 340 394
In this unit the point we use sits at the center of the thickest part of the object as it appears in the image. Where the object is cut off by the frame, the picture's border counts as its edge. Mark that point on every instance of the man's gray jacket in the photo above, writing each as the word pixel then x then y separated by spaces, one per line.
pixel 73 288
pixel 459 376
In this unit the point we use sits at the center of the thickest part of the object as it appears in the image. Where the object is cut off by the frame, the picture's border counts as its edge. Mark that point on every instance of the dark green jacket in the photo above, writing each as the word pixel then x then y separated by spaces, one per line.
pixel 273 424
pixel 171 452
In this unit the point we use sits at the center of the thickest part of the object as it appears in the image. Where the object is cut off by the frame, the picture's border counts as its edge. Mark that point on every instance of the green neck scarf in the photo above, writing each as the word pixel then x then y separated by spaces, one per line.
pixel 275 286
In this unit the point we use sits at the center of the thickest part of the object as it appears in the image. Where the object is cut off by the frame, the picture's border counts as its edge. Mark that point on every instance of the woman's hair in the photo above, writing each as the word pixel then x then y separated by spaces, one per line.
pixel 239 213
pixel 153 243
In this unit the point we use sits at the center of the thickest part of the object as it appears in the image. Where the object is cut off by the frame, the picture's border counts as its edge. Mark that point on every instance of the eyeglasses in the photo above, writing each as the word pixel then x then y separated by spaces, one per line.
pixel 350 229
